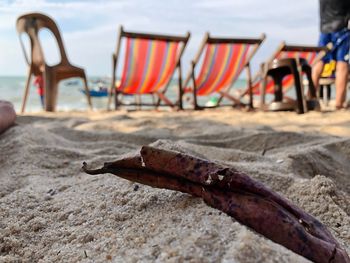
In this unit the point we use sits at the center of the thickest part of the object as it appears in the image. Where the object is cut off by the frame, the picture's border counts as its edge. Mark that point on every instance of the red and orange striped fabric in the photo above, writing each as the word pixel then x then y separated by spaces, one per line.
pixel 222 65
pixel 148 66
pixel 307 55
pixel 288 81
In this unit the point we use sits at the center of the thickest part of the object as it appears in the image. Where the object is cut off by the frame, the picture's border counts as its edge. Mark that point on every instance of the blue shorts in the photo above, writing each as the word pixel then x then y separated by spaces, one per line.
pixel 341 45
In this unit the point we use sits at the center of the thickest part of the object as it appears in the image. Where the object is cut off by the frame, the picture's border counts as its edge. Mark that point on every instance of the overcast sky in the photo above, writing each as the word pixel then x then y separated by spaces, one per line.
pixel 89 28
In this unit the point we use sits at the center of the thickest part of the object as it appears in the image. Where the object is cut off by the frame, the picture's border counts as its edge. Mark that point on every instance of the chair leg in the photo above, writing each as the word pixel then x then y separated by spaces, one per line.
pixel 111 92
pixel 325 93
pixel 312 102
pixel 320 91
pixel 162 97
pixel 222 96
pixel 155 101
pixel 116 101
pixel 195 102
pixel 263 85
pixel 180 102
pixel 87 92
pixel 278 87
pixel 329 91
pixel 299 90
pixel 26 89
pixel 51 90
pixel 236 102
pixel 312 89
pixel 138 101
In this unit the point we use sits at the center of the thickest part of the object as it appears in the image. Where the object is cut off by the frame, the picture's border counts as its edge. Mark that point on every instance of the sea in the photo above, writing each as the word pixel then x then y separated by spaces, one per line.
pixel 71 96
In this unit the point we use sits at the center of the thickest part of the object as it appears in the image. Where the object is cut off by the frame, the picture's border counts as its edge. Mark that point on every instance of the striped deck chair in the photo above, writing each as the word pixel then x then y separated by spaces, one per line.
pixel 223 62
pixel 149 65
pixel 312 54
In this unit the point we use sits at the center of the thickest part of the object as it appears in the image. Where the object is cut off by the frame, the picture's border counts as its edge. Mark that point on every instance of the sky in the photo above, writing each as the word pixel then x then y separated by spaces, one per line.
pixel 90 28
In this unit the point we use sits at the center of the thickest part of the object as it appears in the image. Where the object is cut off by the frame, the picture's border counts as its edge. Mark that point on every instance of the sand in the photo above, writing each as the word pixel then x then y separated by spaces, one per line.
pixel 52 212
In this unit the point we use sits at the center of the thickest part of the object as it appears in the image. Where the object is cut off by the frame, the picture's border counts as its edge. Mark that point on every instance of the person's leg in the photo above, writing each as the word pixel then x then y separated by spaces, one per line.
pixel 316 74
pixel 7 115
pixel 341 81
pixel 318 67
pixel 42 101
pixel 342 68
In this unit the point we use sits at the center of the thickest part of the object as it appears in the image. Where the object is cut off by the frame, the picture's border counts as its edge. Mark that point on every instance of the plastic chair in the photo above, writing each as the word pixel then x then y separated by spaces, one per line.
pixel 31 24
pixel 311 54
pixel 292 68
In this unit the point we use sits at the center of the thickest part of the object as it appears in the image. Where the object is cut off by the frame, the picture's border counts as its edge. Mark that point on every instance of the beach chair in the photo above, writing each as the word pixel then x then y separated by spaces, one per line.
pixel 31 24
pixel 327 79
pixel 223 61
pixel 150 63
pixel 311 54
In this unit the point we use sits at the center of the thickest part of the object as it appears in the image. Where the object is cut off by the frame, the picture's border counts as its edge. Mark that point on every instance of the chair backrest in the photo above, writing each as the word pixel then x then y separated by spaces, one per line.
pixel 311 54
pixel 224 60
pixel 31 25
pixel 150 61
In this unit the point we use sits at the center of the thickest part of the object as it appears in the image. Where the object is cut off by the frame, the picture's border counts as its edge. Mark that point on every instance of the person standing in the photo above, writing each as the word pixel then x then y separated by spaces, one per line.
pixel 39 83
pixel 334 26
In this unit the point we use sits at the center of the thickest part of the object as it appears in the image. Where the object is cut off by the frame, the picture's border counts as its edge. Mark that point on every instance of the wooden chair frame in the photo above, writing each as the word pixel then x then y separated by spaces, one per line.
pixel 223 94
pixel 31 24
pixel 160 94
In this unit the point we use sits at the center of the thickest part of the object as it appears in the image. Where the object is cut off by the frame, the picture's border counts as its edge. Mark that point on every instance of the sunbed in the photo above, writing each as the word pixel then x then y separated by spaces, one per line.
pixel 150 62
pixel 223 61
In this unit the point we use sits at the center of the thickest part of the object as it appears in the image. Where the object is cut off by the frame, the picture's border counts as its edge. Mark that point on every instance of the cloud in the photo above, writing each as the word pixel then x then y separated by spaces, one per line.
pixel 89 28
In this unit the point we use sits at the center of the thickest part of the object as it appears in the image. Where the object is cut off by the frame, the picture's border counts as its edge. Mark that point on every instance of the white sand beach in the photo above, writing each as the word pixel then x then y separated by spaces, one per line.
pixel 53 212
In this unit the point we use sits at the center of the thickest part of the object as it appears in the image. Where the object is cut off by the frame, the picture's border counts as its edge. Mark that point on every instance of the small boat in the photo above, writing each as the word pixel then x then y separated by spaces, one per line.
pixel 98 92
pixel 74 82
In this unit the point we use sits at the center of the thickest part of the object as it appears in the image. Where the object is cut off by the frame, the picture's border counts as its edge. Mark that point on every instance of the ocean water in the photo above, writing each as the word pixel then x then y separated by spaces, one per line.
pixel 70 96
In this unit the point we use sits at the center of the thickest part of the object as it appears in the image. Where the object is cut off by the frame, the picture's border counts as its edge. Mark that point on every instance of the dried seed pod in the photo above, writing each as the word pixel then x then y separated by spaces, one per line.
pixel 235 193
